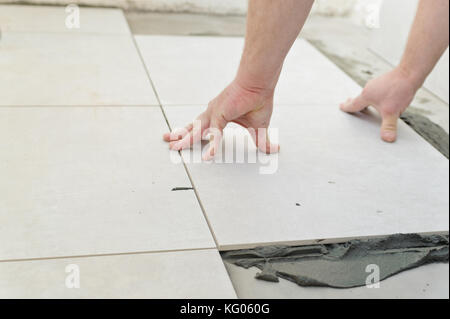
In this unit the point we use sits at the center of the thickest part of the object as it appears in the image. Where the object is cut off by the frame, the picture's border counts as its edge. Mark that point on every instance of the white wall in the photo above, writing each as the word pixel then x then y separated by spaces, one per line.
pixel 390 39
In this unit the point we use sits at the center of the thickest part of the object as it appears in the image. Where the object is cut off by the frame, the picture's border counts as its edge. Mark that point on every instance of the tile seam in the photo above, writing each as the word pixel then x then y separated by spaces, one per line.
pixel 107 254
pixel 182 159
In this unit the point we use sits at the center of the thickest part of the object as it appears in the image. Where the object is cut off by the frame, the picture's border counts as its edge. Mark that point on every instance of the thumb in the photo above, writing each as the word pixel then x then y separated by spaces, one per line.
pixel 389 128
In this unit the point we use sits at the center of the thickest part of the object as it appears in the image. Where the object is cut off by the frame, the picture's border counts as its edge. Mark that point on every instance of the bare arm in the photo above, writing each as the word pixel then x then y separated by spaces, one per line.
pixel 272 27
pixel 427 41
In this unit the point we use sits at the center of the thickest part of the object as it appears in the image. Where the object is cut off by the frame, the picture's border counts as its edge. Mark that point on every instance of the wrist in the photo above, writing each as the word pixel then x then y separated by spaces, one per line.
pixel 248 84
pixel 413 77
pixel 259 78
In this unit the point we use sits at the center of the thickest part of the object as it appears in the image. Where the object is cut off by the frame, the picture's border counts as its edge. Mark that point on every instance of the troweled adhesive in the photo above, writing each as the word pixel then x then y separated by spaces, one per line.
pixel 343 265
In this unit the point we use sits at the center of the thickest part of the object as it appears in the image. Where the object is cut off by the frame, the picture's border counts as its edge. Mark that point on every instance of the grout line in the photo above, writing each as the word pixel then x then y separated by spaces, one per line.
pixel 182 159
pixel 230 276
pixel 200 203
pixel 107 255
pixel 185 166
pixel 148 76
pixel 126 23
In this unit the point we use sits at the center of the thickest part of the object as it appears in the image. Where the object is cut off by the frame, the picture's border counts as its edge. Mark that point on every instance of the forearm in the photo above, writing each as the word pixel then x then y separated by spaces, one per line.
pixel 272 27
pixel 428 40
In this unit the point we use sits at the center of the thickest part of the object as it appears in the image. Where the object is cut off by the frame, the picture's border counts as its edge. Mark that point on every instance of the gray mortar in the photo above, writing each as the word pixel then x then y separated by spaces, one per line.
pixel 342 265
pixel 431 132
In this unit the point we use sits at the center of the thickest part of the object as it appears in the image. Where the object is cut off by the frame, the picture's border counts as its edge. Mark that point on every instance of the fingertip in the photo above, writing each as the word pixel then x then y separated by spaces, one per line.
pixel 166 137
pixel 389 136
pixel 345 107
pixel 355 105
pixel 270 149
pixel 274 148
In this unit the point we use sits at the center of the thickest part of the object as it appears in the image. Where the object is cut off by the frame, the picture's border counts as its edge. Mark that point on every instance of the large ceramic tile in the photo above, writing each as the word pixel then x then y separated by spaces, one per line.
pixel 79 181
pixel 426 282
pixel 203 67
pixel 17 18
pixel 61 69
pixel 183 274
pixel 334 179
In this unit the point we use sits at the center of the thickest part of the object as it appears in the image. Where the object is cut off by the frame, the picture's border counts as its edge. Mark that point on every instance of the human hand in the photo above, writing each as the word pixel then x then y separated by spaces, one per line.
pixel 390 94
pixel 250 108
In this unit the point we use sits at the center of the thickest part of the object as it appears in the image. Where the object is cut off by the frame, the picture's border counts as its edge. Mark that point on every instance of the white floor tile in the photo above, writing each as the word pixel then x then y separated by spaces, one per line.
pixel 193 70
pixel 426 282
pixel 183 274
pixel 333 179
pixel 80 181
pixel 60 69
pixel 23 18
